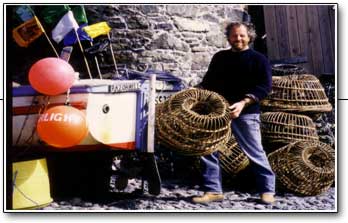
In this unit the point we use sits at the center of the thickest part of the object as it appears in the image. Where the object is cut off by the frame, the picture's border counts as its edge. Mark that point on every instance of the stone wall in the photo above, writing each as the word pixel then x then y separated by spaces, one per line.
pixel 180 39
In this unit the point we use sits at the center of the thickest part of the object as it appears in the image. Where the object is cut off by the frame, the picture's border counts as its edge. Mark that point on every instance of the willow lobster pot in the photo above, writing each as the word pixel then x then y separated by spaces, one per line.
pixel 282 127
pixel 232 158
pixel 287 69
pixel 300 93
pixel 115 110
pixel 193 122
pixel 305 168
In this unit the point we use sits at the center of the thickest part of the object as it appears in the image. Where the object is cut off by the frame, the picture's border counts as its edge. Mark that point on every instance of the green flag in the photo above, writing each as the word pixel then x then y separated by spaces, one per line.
pixel 79 14
pixel 52 14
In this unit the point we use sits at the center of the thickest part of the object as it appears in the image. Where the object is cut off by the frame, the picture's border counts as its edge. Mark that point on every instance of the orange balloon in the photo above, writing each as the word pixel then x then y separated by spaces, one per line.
pixel 51 76
pixel 62 126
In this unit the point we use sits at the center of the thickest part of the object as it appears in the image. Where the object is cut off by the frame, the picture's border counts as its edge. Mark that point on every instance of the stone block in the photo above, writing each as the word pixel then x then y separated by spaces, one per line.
pixel 190 11
pixel 185 24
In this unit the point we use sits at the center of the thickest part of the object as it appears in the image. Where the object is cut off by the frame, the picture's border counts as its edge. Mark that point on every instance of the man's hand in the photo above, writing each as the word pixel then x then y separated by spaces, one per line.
pixel 236 109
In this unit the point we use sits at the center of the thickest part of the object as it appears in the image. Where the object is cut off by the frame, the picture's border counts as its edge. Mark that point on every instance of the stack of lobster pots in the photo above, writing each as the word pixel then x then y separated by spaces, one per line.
pixel 193 122
pixel 196 122
pixel 302 163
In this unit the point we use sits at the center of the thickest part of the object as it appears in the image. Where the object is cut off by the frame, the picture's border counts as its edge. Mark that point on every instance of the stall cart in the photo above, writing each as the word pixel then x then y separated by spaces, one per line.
pixel 118 113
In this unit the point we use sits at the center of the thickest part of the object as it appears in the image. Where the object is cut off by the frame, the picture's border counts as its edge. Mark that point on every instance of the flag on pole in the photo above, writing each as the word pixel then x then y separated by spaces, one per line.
pixel 64 26
pixel 70 39
pixel 101 28
pixel 79 14
pixel 95 30
pixel 27 32
pixel 23 13
pixel 81 18
pixel 52 14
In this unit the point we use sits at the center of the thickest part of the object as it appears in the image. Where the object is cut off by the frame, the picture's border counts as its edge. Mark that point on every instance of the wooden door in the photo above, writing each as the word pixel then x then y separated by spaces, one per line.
pixel 302 31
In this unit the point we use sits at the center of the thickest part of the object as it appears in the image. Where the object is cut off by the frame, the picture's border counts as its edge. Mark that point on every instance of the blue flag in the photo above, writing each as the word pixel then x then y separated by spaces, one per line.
pixel 24 13
pixel 70 39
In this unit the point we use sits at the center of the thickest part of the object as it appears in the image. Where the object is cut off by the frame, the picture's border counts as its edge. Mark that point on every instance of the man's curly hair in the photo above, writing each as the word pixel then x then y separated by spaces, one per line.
pixel 250 28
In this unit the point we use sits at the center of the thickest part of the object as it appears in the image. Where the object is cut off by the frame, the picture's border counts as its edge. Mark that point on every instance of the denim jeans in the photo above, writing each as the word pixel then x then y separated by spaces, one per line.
pixel 246 130
pixel 211 173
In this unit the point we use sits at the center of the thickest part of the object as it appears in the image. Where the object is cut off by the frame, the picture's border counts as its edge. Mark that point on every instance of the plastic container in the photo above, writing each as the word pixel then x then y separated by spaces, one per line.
pixel 31 186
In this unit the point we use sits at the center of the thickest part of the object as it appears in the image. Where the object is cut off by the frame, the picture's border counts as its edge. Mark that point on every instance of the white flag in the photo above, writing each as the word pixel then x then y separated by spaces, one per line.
pixel 64 26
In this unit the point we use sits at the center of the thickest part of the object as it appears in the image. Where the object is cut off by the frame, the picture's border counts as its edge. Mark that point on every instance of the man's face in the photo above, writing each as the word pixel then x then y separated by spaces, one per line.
pixel 239 38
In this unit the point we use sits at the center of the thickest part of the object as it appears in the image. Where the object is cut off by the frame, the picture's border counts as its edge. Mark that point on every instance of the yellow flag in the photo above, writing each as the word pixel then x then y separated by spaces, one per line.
pixel 27 32
pixel 101 28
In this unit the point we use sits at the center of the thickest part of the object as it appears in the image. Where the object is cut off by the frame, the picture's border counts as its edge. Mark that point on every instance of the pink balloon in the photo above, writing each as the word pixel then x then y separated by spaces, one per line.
pixel 51 76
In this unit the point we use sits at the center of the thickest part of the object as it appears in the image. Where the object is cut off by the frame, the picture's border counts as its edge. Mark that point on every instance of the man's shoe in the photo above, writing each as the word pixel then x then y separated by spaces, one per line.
pixel 267 198
pixel 208 197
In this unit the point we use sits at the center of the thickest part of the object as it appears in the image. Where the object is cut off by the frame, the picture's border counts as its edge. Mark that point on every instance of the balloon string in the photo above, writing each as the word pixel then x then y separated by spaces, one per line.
pixel 67 100
pixel 45 105
pixel 25 120
pixel 28 142
pixel 41 110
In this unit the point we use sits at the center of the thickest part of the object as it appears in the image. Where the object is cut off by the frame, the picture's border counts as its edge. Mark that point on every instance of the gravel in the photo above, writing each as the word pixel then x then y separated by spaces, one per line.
pixel 78 181
pixel 176 196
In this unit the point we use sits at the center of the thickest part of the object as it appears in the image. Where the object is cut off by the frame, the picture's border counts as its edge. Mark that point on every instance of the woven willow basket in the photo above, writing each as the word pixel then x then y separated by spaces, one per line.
pixel 287 69
pixel 306 168
pixel 232 158
pixel 282 127
pixel 301 93
pixel 193 122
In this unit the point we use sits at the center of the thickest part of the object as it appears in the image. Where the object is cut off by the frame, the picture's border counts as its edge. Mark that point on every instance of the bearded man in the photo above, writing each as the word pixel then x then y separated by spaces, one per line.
pixel 243 76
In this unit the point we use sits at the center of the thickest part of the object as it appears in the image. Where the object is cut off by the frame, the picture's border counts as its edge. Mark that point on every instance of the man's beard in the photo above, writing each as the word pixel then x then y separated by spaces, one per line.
pixel 238 46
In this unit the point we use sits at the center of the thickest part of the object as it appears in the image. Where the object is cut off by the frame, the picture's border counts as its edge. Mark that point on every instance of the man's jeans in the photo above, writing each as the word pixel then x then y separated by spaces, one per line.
pixel 246 129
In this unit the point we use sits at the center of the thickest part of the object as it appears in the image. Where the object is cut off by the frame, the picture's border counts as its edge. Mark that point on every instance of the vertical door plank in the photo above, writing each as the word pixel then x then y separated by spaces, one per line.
pixel 302 24
pixel 326 41
pixel 295 49
pixel 282 31
pixel 271 32
pixel 314 39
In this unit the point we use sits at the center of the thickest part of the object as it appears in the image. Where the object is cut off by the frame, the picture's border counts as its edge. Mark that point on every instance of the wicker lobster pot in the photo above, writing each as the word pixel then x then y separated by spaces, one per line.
pixel 287 69
pixel 282 127
pixel 232 158
pixel 306 168
pixel 298 93
pixel 193 122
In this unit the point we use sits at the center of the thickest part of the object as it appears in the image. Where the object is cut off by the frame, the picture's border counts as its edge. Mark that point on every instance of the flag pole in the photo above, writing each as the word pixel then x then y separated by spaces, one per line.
pixel 43 30
pixel 83 53
pixel 112 53
pixel 97 64
pixel 48 39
